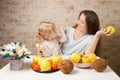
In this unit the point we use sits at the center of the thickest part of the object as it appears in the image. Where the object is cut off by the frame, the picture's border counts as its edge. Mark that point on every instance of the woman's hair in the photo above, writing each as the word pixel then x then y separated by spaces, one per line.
pixel 92 21
pixel 45 28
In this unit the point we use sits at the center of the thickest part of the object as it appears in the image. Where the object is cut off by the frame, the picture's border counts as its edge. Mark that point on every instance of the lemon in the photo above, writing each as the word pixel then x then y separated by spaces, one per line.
pixel 92 57
pixel 85 59
pixel 75 57
pixel 112 29
pixel 56 59
pixel 36 58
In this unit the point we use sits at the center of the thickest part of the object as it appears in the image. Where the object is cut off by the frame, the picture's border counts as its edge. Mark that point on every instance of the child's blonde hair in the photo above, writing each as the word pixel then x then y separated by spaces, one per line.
pixel 45 28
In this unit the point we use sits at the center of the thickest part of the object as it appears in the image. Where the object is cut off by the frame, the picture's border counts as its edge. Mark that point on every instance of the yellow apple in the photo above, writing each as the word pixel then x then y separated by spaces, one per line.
pixel 56 59
pixel 45 65
pixel 75 57
pixel 111 28
pixel 92 57
pixel 85 59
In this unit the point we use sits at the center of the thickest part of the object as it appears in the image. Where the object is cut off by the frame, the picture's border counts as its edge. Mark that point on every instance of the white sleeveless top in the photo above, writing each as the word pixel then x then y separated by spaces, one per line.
pixel 72 45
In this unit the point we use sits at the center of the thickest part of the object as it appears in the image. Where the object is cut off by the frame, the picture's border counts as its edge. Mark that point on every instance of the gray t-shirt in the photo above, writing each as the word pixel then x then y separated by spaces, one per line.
pixel 72 45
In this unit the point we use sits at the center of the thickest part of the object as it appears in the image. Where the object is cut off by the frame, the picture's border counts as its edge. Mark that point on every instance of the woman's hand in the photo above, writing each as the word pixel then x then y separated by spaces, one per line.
pixel 103 31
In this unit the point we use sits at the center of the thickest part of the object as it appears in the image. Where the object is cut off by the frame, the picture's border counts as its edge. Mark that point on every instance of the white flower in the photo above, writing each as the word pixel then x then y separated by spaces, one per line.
pixel 9 47
pixel 15 48
pixel 11 53
pixel 20 54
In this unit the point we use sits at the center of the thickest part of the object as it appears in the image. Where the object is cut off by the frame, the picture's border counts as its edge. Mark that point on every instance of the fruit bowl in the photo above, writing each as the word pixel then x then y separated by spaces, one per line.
pixel 82 65
pixel 50 71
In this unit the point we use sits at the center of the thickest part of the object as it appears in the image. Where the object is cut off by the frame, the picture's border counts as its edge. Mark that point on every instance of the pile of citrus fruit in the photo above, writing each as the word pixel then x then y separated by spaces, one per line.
pixel 81 58
pixel 42 64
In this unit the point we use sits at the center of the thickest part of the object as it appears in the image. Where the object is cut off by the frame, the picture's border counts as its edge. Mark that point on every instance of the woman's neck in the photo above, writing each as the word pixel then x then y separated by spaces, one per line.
pixel 78 34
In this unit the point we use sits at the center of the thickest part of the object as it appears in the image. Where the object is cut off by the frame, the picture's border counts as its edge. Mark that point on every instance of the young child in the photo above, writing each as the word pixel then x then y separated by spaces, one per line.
pixel 50 41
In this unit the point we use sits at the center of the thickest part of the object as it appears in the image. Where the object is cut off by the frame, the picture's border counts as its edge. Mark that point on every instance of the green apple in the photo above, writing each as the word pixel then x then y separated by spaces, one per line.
pixel 75 57
pixel 56 59
pixel 45 65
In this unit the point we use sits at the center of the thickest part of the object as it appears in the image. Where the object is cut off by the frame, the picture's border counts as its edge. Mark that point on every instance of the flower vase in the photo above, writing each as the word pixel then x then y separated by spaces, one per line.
pixel 16 65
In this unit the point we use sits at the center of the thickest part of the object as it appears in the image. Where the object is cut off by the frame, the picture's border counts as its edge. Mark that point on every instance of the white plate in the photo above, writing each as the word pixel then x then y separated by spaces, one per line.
pixel 81 65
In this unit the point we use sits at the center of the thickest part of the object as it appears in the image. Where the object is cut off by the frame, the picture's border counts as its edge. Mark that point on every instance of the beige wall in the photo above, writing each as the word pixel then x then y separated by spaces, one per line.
pixel 19 20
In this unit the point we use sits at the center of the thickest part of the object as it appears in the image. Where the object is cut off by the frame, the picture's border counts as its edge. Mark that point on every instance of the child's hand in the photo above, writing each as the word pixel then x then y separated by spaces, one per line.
pixel 39 52
pixel 61 28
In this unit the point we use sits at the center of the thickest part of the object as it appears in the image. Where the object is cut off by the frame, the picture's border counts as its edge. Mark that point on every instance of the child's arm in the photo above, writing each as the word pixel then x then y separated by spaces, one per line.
pixel 43 50
pixel 39 52
pixel 62 38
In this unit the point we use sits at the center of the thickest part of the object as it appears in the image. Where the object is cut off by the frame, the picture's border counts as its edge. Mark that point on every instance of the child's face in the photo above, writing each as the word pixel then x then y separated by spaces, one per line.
pixel 82 26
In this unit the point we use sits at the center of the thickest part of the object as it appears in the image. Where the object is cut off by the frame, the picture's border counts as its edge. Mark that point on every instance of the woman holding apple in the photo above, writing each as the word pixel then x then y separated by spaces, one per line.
pixel 84 36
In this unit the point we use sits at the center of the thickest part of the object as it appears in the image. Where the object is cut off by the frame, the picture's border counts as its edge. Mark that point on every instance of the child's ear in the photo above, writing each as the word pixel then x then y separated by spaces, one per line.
pixel 46 37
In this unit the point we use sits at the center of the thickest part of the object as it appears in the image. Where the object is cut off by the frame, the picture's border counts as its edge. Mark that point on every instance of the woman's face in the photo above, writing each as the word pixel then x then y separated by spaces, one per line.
pixel 82 26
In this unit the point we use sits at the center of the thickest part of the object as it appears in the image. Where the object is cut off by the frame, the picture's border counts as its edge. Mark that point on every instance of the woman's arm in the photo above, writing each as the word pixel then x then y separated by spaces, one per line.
pixel 92 46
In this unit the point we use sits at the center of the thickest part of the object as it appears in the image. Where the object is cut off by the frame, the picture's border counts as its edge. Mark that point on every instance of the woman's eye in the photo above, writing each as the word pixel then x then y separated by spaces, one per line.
pixel 82 22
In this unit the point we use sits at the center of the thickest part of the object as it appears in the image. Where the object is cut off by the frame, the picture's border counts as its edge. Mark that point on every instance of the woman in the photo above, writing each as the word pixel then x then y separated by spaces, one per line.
pixel 84 36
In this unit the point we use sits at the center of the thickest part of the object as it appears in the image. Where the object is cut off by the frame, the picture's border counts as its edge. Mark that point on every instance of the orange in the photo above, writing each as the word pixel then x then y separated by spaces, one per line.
pixel 54 66
pixel 50 61
pixel 35 66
